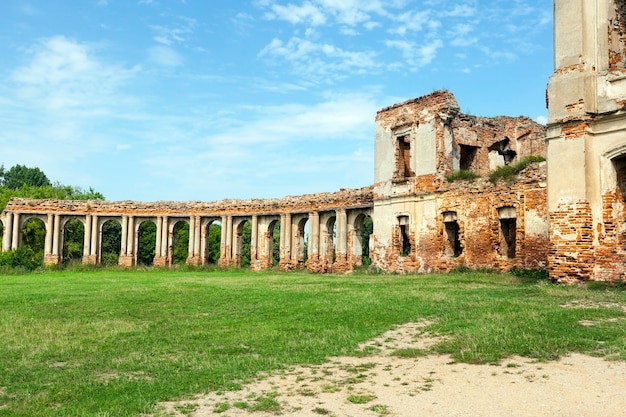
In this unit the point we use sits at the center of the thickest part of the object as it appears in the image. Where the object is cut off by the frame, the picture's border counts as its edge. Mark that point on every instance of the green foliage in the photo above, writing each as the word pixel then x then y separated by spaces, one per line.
pixel 111 242
pixel 34 235
pixel 56 191
pixel 180 242
pixel 73 240
pixel 20 175
pixel 146 243
pixel 215 238
pixel 366 230
pixel 22 258
pixel 462 175
pixel 509 172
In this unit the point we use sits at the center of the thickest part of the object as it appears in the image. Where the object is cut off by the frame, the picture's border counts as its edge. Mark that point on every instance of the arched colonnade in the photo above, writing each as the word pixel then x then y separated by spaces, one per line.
pixel 327 225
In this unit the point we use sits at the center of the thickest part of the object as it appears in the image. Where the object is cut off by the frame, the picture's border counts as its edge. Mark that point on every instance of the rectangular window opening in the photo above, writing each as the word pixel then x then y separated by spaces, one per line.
pixel 468 155
pixel 507 244
pixel 452 233
pixel 403 157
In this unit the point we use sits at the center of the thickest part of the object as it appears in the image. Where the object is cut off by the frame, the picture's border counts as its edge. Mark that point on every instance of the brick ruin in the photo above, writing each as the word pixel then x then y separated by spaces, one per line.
pixel 567 215
pixel 423 222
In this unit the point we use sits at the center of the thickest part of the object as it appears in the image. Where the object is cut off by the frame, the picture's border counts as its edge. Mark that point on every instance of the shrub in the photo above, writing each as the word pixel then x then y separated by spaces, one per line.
pixel 23 258
pixel 462 175
pixel 509 172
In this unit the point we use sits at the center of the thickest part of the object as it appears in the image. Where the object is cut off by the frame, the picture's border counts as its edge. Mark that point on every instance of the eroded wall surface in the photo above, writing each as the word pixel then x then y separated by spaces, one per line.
pixel 586 143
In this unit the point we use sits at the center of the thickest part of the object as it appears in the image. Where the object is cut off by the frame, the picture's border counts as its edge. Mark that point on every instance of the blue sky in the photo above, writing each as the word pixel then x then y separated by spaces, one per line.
pixel 205 99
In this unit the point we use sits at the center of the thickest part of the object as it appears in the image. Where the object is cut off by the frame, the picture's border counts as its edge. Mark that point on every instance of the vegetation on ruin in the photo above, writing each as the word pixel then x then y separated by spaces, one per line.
pixel 508 173
pixel 116 342
pixel 462 174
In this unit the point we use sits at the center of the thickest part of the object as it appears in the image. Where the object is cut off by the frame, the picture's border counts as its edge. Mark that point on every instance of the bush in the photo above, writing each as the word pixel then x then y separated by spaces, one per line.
pixel 462 175
pixel 21 258
pixel 509 172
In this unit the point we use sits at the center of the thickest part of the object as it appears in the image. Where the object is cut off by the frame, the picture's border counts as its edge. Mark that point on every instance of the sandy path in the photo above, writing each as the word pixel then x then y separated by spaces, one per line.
pixel 576 385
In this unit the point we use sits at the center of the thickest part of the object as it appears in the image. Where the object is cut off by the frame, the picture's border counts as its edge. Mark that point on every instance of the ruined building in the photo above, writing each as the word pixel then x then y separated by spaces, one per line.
pixel 567 214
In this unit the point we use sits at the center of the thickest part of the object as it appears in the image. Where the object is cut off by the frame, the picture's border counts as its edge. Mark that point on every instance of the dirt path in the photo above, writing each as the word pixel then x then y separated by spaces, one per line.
pixel 384 385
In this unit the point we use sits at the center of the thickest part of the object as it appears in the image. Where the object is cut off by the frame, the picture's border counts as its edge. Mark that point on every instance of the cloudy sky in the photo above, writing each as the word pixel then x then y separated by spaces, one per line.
pixel 206 99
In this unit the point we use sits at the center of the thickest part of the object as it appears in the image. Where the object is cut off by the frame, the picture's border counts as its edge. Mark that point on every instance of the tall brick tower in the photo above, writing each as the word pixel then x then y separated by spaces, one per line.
pixel 586 141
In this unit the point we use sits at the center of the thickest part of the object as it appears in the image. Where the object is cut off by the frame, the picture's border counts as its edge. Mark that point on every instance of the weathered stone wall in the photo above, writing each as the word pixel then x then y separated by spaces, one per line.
pixel 476 205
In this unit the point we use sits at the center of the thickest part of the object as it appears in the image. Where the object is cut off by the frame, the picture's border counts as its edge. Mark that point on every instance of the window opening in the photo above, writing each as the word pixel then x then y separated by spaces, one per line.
pixel 404 235
pixel 508 225
pixel 403 157
pixel 452 233
pixel 468 155
pixel 501 153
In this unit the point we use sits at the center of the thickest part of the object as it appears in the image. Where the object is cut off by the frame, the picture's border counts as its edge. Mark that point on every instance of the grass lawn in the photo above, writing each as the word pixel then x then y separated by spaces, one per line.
pixel 115 342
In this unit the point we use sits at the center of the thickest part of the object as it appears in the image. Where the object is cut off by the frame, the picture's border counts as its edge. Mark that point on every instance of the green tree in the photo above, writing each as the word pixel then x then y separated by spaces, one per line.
pixel 147 243
pixel 246 239
pixel 73 240
pixel 19 175
pixel 111 242
pixel 180 242
pixel 366 230
pixel 215 240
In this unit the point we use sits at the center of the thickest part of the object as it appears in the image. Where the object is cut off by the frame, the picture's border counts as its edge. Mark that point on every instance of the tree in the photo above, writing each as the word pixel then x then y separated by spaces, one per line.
pixel 19 175
pixel 215 239
pixel 146 243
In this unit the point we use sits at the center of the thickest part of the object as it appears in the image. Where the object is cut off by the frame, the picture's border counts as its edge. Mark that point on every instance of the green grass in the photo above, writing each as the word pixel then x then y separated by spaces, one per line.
pixel 508 173
pixel 462 175
pixel 116 342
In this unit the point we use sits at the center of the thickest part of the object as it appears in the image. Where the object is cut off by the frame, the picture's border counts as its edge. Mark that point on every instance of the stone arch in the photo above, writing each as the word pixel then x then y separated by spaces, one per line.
pixel 145 236
pixel 211 240
pixel 328 239
pixel 272 242
pixel 300 243
pixel 363 226
pixel 242 242
pixel 32 233
pixel 179 240
pixel 110 241
pixel 73 239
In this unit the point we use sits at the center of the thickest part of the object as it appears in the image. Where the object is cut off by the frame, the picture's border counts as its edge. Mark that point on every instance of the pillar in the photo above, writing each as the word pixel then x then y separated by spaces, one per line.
pixel 16 230
pixel 8 231
pixel 314 241
pixel 88 259
pixel 254 239
pixel 94 254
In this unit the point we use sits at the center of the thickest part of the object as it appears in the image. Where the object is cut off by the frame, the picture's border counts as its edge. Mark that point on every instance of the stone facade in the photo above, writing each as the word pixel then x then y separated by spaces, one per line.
pixel 586 142
pixel 424 223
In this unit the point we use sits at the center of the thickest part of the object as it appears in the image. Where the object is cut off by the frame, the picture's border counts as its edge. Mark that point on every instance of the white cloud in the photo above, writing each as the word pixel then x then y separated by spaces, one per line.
pixel 416 55
pixel 178 33
pixel 412 21
pixel 164 56
pixel 307 13
pixel 320 59
pixel 64 73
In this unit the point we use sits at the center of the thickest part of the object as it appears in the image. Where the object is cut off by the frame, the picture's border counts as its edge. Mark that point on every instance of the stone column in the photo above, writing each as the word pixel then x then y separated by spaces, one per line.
pixel 285 241
pixel 314 241
pixel 86 237
pixel 47 250
pixel 89 231
pixel 197 240
pixel 158 245
pixel 254 240
pixel 342 237
pixel 55 257
pixel 226 259
pixel 124 237
pixel 8 231
pixel 95 240
pixel 15 236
